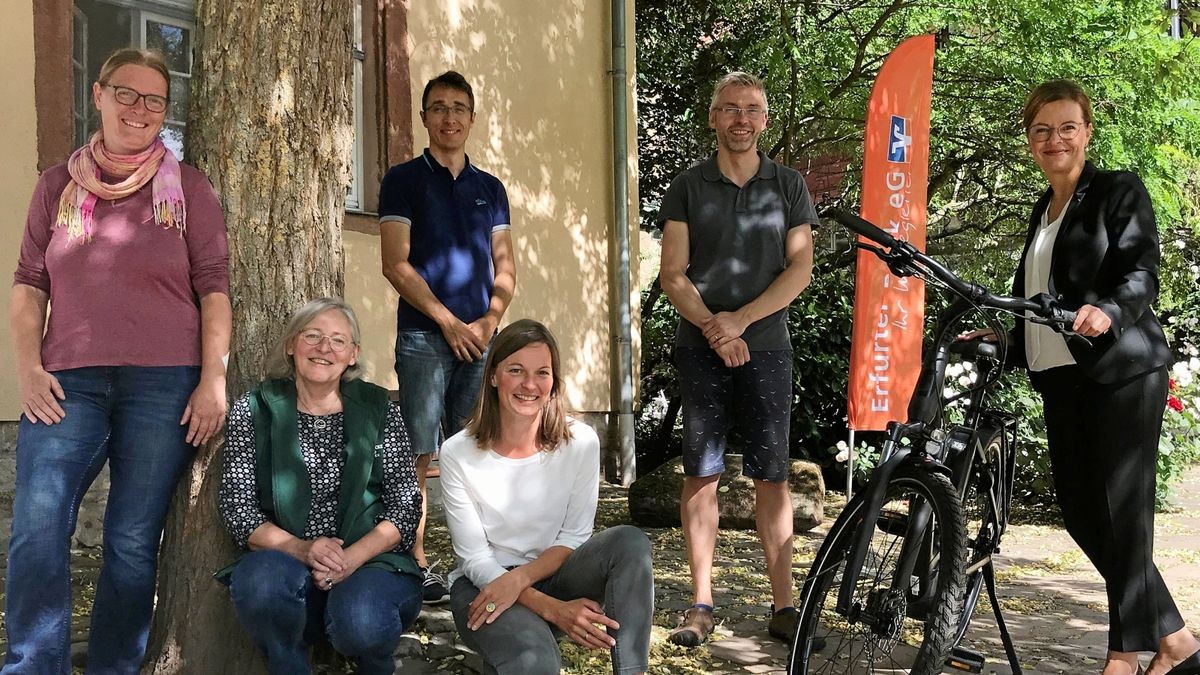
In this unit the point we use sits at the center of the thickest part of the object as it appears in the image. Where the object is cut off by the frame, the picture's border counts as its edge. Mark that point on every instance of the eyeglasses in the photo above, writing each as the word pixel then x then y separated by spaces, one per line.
pixel 129 97
pixel 1066 131
pixel 313 338
pixel 439 110
pixel 734 112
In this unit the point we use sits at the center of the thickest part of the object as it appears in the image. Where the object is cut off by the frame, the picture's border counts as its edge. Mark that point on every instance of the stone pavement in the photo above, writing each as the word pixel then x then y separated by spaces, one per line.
pixel 1054 602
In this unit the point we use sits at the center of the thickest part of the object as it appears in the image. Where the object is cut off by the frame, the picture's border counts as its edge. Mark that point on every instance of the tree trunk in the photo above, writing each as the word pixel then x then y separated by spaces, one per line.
pixel 271 125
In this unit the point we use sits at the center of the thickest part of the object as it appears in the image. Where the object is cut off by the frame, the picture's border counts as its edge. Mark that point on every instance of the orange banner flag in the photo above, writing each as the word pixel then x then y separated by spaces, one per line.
pixel 889 311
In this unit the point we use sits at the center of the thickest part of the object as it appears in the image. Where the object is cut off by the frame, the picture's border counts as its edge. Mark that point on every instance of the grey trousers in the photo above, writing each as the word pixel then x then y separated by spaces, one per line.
pixel 612 568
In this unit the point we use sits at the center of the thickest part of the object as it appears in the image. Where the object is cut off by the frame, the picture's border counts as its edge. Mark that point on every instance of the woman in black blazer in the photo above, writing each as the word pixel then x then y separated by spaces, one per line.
pixel 1093 242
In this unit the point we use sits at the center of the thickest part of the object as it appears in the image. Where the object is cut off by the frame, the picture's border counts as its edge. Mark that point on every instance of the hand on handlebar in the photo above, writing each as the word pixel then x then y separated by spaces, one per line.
pixel 1090 321
pixel 985 334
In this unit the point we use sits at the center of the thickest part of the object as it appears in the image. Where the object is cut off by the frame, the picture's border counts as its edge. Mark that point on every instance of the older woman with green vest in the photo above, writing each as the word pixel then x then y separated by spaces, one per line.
pixel 320 486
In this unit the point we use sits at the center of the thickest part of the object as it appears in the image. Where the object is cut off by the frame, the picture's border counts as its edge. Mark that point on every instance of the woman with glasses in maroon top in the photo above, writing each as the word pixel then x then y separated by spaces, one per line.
pixel 128 247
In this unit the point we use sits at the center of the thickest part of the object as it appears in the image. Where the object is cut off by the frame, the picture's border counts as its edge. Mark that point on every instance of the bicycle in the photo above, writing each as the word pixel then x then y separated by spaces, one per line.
pixel 894 585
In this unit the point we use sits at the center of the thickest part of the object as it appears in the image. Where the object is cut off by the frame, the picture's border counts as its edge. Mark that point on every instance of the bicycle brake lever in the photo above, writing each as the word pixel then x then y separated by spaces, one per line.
pixel 1076 337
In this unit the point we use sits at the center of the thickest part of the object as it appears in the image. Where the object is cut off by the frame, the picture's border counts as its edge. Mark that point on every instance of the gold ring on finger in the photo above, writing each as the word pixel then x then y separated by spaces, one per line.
pixel 490 607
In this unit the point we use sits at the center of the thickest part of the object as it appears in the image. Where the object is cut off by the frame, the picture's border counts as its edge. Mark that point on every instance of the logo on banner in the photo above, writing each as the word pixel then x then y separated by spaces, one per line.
pixel 899 140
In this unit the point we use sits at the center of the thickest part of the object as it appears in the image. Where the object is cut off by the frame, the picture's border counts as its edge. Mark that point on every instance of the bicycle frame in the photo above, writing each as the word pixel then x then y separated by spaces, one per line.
pixel 924 416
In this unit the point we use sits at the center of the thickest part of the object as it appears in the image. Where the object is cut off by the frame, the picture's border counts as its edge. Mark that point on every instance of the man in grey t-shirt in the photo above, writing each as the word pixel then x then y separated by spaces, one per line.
pixel 736 251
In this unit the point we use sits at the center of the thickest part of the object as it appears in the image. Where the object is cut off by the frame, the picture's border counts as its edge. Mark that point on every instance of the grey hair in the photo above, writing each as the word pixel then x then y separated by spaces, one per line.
pixel 281 365
pixel 736 79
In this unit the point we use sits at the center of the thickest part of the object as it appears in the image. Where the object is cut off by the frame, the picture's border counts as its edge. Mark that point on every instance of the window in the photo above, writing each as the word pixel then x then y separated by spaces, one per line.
pixel 79 70
pixel 173 38
pixel 354 193
pixel 108 25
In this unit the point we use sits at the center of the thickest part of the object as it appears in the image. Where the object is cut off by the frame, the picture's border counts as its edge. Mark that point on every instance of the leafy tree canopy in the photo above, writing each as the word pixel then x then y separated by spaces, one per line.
pixel 819 60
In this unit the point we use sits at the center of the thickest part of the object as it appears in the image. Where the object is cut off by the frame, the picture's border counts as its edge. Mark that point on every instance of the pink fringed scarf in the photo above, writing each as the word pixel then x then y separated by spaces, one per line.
pixel 155 164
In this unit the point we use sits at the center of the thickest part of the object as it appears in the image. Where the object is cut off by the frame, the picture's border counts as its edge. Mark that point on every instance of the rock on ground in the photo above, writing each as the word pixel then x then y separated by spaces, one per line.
pixel 654 498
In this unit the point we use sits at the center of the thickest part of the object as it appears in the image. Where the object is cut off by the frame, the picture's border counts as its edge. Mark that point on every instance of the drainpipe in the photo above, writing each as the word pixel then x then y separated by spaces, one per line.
pixel 623 336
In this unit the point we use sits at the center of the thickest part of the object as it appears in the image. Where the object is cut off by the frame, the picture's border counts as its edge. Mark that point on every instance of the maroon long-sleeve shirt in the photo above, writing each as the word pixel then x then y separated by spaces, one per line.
pixel 131 295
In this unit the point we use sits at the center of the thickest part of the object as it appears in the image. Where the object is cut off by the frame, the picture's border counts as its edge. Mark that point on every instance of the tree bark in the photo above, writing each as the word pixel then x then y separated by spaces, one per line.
pixel 271 125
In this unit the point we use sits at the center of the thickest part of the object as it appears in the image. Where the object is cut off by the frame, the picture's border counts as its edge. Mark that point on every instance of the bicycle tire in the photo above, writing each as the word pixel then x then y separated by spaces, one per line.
pixel 827 643
pixel 983 517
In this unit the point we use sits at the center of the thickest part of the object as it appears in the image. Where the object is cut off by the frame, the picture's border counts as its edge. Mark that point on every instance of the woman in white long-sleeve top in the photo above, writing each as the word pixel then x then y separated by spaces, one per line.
pixel 520 485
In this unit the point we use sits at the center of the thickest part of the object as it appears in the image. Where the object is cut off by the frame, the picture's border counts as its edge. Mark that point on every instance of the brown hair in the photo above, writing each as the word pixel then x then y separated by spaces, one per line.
pixel 1055 90
pixel 452 80
pixel 136 57
pixel 484 423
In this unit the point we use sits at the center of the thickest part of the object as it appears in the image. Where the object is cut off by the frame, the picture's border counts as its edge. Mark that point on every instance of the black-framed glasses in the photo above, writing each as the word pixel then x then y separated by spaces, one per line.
pixel 1067 130
pixel 337 343
pixel 734 111
pixel 129 97
pixel 439 110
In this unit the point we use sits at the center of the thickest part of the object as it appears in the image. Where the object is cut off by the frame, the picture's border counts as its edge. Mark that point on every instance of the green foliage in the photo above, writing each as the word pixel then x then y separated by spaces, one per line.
pixel 820 323
pixel 819 61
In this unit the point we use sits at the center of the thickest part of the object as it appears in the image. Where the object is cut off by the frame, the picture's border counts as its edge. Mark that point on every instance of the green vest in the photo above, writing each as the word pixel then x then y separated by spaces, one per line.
pixel 284 491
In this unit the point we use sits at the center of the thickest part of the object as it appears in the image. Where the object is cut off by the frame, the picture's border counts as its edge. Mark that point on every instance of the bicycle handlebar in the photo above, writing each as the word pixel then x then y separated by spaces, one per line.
pixel 901 255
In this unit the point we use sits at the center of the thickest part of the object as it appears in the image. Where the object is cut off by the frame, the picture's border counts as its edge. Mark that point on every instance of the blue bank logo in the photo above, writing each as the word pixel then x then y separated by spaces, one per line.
pixel 899 140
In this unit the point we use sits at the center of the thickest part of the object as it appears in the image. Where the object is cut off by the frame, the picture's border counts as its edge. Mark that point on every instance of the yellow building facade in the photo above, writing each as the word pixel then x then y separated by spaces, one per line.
pixel 541 74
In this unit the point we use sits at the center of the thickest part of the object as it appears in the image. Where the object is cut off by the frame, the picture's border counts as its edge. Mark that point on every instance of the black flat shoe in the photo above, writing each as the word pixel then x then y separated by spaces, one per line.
pixel 1188 666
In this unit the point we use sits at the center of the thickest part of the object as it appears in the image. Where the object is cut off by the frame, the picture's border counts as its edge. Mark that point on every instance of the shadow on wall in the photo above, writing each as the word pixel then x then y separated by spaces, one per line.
pixel 374 300
pixel 543 127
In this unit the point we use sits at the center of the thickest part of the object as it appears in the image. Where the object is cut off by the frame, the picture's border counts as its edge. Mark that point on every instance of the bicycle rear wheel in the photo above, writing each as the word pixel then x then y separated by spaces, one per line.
pixel 985 506
pixel 894 625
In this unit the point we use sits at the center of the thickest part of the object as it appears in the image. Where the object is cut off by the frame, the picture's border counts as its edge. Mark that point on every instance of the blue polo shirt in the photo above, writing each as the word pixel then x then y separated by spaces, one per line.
pixel 451 223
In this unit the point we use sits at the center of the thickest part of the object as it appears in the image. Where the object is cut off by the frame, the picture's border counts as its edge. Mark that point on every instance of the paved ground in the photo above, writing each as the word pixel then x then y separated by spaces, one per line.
pixel 1054 601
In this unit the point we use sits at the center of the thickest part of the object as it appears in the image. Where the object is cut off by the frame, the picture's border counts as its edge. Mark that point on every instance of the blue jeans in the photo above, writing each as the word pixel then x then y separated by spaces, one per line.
pixel 436 388
pixel 284 612
pixel 129 417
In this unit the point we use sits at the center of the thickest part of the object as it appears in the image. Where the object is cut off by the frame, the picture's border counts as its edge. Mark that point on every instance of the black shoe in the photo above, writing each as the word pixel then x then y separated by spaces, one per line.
pixel 1188 666
pixel 783 623
pixel 433 589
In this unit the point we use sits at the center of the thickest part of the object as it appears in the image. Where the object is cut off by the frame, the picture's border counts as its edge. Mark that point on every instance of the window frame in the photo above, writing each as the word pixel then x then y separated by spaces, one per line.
pixel 138 28
pixel 356 190
pixel 81 113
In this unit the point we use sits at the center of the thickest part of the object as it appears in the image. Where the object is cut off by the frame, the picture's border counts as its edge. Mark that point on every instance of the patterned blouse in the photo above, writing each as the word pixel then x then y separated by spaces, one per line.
pixel 321 445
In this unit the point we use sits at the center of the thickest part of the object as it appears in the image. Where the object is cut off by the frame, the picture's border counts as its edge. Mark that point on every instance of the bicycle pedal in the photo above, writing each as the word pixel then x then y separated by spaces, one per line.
pixel 966 660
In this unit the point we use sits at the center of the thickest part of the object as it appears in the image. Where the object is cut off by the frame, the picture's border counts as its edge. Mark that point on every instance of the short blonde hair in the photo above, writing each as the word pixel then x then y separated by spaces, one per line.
pixel 736 79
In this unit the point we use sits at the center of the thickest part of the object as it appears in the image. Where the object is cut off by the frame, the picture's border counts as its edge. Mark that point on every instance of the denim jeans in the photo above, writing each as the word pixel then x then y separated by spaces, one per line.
pixel 128 416
pixel 436 388
pixel 612 568
pixel 284 612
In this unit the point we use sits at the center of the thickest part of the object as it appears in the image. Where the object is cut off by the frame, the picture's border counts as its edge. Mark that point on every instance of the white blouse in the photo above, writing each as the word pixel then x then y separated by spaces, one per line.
pixel 505 512
pixel 1044 348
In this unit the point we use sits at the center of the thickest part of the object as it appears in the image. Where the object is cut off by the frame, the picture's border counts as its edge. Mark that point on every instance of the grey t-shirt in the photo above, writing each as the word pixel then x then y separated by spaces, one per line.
pixel 736 240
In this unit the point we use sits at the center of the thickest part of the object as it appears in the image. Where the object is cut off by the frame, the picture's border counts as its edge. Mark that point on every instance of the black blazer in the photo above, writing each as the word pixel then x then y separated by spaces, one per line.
pixel 1106 255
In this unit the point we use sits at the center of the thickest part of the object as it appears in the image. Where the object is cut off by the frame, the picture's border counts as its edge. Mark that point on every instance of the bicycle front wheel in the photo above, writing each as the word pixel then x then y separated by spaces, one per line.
pixel 908 597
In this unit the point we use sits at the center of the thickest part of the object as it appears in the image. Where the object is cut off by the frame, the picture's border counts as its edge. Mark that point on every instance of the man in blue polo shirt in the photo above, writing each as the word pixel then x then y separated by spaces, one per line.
pixel 447 250
pixel 736 251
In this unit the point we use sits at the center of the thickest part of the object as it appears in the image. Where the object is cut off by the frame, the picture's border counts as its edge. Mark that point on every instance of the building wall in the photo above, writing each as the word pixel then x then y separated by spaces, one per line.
pixel 544 127
pixel 18 173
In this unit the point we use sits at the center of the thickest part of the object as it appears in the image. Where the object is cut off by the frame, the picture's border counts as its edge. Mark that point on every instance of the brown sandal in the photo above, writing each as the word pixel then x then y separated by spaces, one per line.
pixel 694 627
